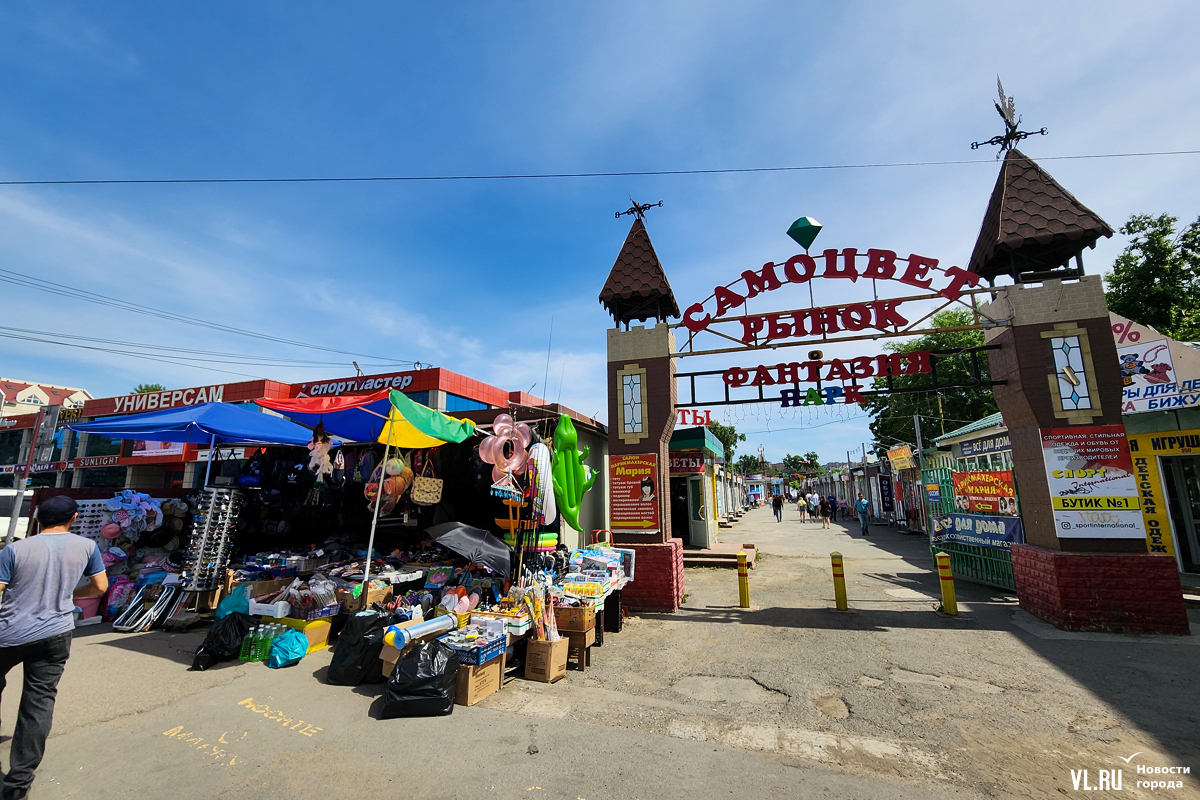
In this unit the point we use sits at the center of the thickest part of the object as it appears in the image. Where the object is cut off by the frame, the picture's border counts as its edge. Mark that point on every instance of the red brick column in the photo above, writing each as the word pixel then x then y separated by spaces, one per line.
pixel 658 577
pixel 1119 593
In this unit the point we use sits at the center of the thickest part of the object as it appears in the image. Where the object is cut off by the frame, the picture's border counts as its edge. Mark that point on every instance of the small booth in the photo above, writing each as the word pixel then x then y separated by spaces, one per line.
pixel 696 503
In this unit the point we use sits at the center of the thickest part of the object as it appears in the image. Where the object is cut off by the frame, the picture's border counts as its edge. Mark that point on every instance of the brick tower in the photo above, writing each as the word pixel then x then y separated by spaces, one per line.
pixel 1061 401
pixel 641 409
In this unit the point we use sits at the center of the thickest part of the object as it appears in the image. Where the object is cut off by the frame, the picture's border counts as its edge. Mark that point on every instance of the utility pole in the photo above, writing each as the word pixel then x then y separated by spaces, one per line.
pixel 14 518
pixel 921 474
pixel 866 480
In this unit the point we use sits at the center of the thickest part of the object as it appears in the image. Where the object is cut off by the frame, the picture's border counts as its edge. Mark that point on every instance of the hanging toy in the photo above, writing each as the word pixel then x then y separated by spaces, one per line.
pixel 542 481
pixel 506 450
pixel 572 478
pixel 319 462
pixel 395 476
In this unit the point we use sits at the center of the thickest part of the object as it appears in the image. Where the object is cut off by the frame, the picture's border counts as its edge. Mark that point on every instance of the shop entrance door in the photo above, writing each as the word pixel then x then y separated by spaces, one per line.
pixel 680 512
pixel 698 518
pixel 1183 493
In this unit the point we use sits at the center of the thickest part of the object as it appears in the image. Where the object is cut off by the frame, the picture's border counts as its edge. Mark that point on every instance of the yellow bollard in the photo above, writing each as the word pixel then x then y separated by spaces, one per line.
pixel 949 602
pixel 743 580
pixel 839 582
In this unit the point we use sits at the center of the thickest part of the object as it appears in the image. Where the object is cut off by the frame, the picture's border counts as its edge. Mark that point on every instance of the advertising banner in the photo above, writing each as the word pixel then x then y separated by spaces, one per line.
pixel 985 445
pixel 901 457
pixel 980 531
pixel 985 492
pixel 933 493
pixel 1092 483
pixel 885 494
pixel 149 449
pixel 1149 381
pixel 633 498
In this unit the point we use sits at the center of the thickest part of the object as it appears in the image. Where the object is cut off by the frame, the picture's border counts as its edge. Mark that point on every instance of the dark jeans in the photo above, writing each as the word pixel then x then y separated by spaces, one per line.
pixel 862 521
pixel 44 661
pixel 779 515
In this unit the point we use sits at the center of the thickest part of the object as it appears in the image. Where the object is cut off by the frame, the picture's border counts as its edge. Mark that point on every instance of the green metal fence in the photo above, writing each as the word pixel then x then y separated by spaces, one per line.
pixel 987 565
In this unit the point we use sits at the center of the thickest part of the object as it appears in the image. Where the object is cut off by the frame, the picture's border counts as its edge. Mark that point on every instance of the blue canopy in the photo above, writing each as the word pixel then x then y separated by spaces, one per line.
pixel 206 423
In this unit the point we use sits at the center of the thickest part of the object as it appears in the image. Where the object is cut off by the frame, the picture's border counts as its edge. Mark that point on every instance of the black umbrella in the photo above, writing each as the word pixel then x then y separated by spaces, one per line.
pixel 475 544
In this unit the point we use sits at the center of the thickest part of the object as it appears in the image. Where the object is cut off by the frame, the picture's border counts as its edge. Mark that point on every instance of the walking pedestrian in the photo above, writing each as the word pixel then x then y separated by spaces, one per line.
pixel 843 508
pixel 864 511
pixel 38 579
pixel 777 506
pixel 802 507
pixel 826 509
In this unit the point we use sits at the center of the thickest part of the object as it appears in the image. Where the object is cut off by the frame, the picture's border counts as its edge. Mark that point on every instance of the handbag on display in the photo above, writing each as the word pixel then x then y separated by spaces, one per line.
pixel 427 490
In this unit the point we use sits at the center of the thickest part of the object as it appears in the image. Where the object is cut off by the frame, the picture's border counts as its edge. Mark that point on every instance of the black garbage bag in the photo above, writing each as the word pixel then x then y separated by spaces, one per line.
pixel 422 683
pixel 224 640
pixel 356 654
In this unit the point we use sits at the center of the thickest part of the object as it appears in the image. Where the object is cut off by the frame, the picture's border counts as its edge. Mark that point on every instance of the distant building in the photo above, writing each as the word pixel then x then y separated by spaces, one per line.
pixel 23 397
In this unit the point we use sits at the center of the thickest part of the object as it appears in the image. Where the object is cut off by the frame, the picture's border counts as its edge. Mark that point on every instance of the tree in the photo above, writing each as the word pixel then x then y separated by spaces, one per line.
pixel 948 408
pixel 814 462
pixel 748 465
pixel 729 437
pixel 146 388
pixel 794 464
pixel 1156 280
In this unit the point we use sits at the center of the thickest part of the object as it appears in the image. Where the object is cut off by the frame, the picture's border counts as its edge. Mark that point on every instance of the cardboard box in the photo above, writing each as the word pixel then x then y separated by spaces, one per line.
pixel 476 683
pixel 317 631
pixel 546 661
pixel 582 618
pixel 577 645
pixel 352 604
pixel 389 656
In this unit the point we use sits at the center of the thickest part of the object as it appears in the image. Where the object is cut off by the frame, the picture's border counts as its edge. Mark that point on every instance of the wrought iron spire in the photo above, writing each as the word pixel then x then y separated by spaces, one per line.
pixel 1007 109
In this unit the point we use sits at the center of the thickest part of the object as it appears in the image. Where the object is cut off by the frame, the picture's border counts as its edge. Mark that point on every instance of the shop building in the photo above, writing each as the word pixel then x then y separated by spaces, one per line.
pixel 25 397
pixel 699 500
pixel 83 461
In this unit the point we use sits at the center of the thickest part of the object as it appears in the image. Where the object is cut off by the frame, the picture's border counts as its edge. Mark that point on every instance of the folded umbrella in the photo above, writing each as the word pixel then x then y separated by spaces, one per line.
pixel 474 544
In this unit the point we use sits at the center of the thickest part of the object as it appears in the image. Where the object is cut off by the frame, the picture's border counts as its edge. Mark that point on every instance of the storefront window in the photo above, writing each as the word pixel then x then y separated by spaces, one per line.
pixel 10 446
pixel 104 476
pixel 103 446
pixel 457 403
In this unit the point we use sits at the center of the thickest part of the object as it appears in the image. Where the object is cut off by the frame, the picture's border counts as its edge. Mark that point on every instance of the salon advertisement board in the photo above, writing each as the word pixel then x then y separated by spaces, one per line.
pixel 985 492
pixel 1092 484
pixel 633 499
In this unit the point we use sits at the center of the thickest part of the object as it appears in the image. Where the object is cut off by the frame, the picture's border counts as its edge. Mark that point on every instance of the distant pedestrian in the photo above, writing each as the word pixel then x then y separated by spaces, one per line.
pixel 802 507
pixel 38 579
pixel 777 506
pixel 843 508
pixel 864 513
pixel 825 507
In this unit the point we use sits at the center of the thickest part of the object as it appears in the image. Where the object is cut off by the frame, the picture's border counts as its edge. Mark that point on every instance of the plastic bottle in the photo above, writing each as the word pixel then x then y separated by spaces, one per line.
pixel 272 634
pixel 260 648
pixel 247 645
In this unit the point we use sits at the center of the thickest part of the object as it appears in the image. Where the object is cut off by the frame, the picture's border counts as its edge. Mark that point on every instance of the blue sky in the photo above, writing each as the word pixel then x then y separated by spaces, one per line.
pixel 466 275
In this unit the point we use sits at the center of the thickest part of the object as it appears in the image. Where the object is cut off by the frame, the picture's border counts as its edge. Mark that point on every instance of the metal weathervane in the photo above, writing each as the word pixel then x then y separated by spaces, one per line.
pixel 1007 108
pixel 638 209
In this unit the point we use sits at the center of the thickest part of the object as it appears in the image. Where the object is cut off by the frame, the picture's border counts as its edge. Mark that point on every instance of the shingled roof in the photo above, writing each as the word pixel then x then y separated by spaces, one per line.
pixel 1032 224
pixel 637 288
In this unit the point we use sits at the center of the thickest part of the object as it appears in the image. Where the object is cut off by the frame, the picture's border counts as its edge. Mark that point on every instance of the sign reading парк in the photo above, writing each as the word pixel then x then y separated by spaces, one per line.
pixel 634 493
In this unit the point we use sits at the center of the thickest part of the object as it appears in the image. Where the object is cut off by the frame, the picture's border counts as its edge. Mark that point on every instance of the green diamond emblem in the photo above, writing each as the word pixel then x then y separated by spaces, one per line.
pixel 804 231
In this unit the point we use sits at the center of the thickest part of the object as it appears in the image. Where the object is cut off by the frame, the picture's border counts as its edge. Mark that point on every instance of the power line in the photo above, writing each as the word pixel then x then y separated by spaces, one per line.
pixel 62 290
pixel 555 175
pixel 186 354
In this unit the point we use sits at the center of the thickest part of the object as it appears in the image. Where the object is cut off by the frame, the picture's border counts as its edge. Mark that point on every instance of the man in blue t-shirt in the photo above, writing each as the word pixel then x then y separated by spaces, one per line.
pixel 864 513
pixel 39 579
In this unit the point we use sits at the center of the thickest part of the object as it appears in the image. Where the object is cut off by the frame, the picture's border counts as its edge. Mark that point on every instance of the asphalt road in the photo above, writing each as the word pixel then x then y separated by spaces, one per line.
pixel 785 699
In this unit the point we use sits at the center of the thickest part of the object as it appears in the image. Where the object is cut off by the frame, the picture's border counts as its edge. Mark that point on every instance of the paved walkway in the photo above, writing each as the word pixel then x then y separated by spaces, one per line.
pixel 785 699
